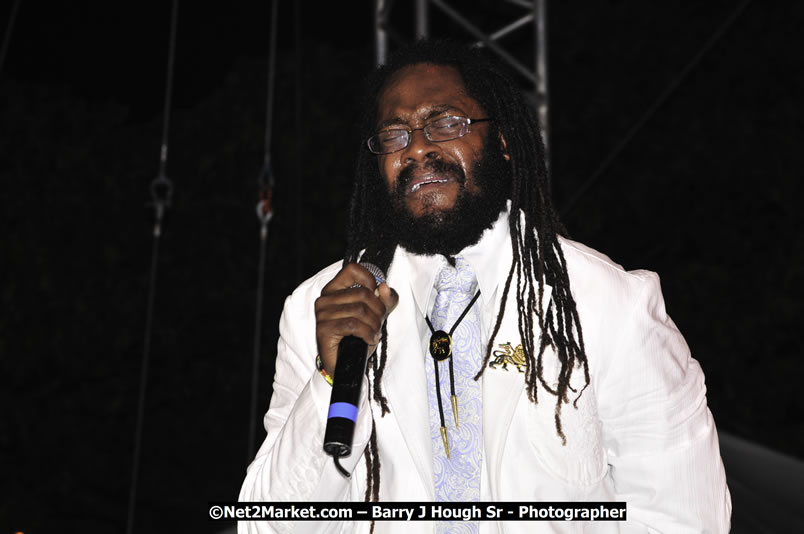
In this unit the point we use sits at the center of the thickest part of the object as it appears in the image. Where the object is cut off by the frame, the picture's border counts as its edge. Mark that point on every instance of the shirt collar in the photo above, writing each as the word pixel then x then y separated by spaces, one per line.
pixel 486 257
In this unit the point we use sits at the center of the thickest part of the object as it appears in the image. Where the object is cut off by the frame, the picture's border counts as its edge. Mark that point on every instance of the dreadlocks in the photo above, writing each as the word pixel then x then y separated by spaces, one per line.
pixel 534 228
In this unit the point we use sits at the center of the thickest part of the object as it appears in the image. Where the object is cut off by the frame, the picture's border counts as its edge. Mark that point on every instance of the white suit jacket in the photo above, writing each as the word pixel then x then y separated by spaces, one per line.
pixel 642 432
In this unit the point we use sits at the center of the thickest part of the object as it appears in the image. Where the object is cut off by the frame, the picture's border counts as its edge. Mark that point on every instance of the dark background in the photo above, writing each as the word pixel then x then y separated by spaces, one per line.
pixel 707 193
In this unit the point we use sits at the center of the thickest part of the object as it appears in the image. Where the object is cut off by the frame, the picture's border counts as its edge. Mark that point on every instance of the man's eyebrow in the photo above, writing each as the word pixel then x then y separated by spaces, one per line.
pixel 433 111
pixel 437 110
pixel 390 122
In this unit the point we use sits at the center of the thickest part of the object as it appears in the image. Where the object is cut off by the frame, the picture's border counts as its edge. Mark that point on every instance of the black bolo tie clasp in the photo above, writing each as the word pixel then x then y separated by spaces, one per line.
pixel 440 345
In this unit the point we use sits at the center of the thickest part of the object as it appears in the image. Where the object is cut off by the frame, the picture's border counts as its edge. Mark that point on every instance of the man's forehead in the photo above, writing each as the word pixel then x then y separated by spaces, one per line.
pixel 420 91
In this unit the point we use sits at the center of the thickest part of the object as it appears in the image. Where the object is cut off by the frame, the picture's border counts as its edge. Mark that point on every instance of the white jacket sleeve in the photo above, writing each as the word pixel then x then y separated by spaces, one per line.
pixel 291 464
pixel 659 435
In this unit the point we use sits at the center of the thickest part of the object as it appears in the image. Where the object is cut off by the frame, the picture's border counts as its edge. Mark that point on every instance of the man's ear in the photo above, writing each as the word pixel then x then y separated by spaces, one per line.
pixel 504 147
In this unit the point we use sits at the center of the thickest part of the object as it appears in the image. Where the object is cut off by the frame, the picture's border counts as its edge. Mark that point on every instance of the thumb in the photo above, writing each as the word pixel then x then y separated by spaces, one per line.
pixel 389 297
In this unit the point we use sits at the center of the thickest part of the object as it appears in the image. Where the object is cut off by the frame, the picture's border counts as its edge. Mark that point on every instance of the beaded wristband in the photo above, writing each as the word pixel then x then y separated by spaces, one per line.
pixel 320 366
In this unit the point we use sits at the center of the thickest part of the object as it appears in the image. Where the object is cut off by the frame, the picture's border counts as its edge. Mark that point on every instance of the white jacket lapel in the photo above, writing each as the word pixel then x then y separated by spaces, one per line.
pixel 504 381
pixel 404 380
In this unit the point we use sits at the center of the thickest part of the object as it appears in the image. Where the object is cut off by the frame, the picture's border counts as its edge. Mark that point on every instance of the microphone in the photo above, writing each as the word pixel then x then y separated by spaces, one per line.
pixel 346 386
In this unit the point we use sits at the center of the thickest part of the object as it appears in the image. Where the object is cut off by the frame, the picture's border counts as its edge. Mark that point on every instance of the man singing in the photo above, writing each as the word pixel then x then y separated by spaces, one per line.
pixel 511 363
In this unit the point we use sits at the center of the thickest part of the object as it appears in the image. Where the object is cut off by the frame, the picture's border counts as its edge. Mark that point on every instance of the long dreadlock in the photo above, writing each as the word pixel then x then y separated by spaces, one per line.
pixel 537 254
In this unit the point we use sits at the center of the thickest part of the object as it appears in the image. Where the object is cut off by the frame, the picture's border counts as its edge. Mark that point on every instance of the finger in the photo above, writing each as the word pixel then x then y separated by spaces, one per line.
pixel 336 329
pixel 389 298
pixel 371 315
pixel 352 274
pixel 340 301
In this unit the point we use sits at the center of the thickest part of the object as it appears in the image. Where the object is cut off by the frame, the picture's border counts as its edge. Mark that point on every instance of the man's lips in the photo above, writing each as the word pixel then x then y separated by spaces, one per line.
pixel 426 179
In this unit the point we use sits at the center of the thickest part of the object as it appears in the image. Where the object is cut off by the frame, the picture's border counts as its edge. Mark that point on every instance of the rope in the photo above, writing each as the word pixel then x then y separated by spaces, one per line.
pixel 168 88
pixel 161 194
pixel 265 185
pixel 132 495
pixel 662 98
pixel 269 107
pixel 12 18
pixel 298 181
pixel 255 365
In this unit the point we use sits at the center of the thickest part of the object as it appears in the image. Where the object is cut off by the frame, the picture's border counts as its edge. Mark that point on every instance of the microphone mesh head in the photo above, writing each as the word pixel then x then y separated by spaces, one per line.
pixel 379 276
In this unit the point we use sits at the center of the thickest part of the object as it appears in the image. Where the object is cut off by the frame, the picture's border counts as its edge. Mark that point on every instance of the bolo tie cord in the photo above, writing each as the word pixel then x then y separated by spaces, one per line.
pixel 440 350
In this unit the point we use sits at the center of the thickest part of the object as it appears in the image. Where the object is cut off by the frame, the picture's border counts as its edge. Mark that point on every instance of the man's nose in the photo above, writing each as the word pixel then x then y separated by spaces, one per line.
pixel 421 148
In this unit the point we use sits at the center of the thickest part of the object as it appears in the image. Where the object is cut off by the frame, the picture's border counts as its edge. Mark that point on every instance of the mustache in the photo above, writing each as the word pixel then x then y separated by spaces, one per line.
pixel 452 170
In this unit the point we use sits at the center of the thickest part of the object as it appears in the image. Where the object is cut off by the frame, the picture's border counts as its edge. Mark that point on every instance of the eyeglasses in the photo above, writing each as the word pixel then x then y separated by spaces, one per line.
pixel 443 129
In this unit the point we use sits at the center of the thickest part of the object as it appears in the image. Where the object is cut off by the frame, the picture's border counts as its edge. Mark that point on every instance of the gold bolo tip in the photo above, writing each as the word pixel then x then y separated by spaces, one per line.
pixel 445 439
pixel 454 400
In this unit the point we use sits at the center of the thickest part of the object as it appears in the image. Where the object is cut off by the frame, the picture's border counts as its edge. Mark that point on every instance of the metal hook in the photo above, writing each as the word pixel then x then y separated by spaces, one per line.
pixel 161 197
pixel 161 190
pixel 265 185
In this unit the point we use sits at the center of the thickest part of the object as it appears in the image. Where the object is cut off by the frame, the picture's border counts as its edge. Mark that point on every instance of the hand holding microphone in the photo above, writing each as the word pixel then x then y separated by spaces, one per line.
pixel 349 317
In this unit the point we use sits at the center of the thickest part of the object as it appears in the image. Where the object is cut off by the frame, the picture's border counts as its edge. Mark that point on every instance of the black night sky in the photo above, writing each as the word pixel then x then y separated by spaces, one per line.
pixel 706 192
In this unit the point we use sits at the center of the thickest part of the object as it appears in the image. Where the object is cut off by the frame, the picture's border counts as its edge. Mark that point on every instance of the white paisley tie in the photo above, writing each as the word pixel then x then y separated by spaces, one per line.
pixel 457 478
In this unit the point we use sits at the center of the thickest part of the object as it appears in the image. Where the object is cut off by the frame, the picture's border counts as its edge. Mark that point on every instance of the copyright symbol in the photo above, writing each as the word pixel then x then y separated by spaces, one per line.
pixel 215 512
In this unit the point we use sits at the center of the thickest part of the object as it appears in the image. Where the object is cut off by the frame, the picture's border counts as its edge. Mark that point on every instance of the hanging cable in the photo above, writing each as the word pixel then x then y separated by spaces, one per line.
pixel 662 98
pixel 161 195
pixel 542 95
pixel 265 212
pixel 298 179
pixel 12 18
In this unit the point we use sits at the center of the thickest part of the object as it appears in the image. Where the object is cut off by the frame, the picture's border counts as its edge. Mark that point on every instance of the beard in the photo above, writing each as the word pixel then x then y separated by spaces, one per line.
pixel 448 232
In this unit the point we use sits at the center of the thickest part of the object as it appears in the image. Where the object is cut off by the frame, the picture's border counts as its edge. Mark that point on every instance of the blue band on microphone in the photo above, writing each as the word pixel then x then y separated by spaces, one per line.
pixel 343 409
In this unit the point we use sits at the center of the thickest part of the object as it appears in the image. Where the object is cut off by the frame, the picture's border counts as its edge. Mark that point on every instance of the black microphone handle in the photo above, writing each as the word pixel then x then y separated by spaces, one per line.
pixel 347 383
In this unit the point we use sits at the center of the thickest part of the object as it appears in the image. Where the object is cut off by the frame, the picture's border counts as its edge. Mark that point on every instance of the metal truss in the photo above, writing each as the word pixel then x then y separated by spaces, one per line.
pixel 532 16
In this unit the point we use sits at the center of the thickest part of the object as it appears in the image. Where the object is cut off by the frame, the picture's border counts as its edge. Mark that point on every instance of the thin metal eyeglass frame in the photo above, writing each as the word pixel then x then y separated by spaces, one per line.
pixel 426 133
